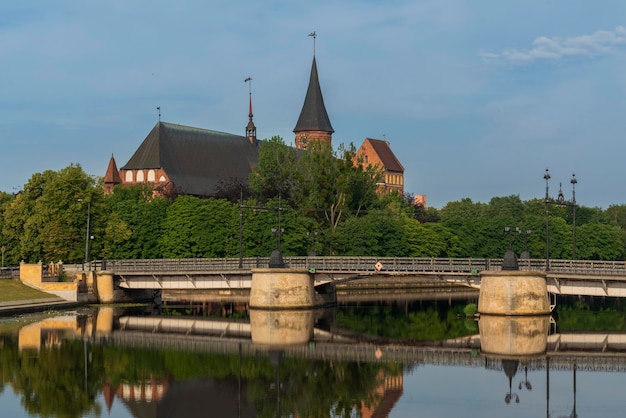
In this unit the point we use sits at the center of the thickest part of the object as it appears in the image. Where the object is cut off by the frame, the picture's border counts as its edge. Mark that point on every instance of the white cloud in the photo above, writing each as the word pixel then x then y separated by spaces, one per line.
pixel 544 48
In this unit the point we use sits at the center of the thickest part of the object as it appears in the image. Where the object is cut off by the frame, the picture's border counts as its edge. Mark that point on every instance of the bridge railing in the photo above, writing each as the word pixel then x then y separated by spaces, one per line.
pixel 365 264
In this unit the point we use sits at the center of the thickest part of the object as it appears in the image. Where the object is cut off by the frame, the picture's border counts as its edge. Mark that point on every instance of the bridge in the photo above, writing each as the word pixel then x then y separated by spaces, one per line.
pixel 564 277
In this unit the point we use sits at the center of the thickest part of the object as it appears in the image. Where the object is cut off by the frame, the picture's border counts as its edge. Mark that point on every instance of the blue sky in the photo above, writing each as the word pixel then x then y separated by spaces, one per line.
pixel 476 98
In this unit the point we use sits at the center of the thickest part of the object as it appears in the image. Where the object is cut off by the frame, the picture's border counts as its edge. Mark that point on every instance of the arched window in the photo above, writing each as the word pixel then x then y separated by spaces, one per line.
pixel 151 176
pixel 139 175
pixel 129 176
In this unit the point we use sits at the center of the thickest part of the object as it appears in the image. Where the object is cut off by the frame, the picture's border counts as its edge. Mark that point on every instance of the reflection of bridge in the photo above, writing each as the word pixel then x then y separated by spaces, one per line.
pixel 566 277
pixel 590 351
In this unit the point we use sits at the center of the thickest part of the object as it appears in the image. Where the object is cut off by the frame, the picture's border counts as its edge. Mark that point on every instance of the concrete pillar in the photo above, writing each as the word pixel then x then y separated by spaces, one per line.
pixel 104 284
pixel 282 288
pixel 513 292
pixel 278 328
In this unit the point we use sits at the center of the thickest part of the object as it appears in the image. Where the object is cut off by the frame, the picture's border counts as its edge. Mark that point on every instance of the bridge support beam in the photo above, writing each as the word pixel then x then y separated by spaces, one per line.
pixel 284 288
pixel 513 292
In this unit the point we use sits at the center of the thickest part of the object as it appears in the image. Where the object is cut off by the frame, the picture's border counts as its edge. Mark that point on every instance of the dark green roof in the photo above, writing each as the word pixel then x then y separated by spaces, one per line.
pixel 196 160
pixel 313 116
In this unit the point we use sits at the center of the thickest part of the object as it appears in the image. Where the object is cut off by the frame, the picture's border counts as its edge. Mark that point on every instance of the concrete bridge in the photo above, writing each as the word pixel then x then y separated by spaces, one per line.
pixel 564 277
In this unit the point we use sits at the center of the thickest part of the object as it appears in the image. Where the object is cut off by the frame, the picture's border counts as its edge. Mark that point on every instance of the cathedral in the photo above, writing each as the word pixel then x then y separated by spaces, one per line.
pixel 175 159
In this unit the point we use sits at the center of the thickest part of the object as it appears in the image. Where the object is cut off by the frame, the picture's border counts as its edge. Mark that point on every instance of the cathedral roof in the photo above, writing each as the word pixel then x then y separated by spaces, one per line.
pixel 313 116
pixel 386 155
pixel 195 160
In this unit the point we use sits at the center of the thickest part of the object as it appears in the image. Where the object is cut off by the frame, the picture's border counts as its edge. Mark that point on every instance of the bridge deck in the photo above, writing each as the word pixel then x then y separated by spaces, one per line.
pixel 572 277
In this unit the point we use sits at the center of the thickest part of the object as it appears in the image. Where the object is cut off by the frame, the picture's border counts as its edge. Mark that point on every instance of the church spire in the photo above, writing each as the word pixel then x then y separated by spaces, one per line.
pixel 112 176
pixel 313 123
pixel 250 128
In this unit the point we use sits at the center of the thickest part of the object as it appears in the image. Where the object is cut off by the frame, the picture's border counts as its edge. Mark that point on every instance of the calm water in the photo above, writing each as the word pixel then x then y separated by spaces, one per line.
pixel 391 359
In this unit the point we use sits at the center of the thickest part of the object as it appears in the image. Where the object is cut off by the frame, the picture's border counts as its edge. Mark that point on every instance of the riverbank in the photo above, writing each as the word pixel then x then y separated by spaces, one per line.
pixel 17 298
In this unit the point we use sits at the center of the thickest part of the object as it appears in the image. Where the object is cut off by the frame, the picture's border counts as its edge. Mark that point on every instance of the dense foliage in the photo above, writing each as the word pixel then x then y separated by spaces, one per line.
pixel 319 201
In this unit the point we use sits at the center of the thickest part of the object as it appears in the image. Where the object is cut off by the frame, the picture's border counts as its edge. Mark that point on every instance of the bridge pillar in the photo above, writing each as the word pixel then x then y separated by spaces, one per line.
pixel 104 286
pixel 283 288
pixel 513 292
pixel 277 328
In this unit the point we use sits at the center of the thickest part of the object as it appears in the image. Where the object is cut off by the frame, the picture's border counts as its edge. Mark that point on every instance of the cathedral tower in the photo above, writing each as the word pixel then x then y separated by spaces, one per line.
pixel 313 124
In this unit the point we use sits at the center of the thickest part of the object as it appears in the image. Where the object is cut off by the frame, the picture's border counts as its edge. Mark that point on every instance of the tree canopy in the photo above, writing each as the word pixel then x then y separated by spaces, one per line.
pixel 317 201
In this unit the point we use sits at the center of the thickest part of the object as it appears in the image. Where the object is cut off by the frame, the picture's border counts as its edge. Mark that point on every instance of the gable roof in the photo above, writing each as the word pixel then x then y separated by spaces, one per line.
pixel 195 159
pixel 313 116
pixel 387 157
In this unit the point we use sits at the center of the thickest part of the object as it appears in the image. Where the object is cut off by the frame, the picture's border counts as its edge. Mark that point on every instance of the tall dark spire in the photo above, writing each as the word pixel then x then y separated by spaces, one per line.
pixel 313 123
pixel 250 128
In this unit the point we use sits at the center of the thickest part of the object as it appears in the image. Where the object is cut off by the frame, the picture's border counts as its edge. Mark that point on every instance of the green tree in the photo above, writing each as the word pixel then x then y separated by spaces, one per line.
pixel 200 228
pixel 599 242
pixel 47 221
pixel 134 224
pixel 275 174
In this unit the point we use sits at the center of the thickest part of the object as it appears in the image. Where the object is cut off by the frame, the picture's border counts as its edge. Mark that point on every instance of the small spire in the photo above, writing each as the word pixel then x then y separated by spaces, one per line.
pixel 250 128
pixel 159 110
pixel 314 35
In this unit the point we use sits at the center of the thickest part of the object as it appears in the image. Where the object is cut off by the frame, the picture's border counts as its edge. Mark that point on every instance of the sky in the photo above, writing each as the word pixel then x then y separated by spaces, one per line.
pixel 476 98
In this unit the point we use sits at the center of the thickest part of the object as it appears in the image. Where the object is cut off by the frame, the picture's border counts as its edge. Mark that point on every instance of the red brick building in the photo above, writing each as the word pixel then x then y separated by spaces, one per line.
pixel 376 152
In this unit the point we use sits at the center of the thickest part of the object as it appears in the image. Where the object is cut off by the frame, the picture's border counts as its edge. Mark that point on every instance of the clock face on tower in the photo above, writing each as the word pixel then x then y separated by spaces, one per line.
pixel 304 142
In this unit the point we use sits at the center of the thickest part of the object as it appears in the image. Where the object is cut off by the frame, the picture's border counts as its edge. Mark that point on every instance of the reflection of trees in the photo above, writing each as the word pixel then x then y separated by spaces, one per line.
pixel 310 388
pixel 392 321
pixel 52 381
pixel 606 314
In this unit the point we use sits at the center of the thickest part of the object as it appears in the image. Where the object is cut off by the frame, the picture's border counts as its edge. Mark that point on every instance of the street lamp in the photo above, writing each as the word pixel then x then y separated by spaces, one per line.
pixel 526 254
pixel 240 225
pixel 312 243
pixel 87 233
pixel 560 201
pixel 276 258
pixel 546 176
pixel 573 181
pixel 510 258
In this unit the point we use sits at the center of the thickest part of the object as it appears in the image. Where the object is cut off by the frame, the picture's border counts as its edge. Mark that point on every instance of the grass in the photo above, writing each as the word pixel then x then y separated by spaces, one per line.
pixel 13 289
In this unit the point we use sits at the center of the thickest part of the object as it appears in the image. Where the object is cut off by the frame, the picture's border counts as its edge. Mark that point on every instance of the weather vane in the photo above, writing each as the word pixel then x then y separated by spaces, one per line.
pixel 314 35
pixel 159 110
pixel 249 79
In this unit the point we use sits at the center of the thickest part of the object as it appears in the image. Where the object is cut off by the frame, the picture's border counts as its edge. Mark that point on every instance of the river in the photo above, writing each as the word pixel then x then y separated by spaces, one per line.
pixel 394 358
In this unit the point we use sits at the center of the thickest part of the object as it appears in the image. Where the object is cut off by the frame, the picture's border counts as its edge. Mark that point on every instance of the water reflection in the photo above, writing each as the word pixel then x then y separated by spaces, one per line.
pixel 290 363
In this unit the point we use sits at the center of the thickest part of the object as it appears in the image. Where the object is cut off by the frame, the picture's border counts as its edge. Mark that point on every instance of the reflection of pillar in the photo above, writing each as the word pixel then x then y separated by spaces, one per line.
pixel 513 335
pixel 104 320
pixel 280 328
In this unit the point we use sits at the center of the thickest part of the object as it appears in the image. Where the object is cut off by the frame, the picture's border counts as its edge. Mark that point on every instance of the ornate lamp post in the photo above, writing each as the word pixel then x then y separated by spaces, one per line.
pixel 546 176
pixel 573 181
pixel 510 258
pixel 87 237
pixel 560 201
pixel 526 254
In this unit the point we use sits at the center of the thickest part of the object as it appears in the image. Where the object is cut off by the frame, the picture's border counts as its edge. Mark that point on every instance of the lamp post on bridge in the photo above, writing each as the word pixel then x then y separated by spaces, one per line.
pixel 87 237
pixel 560 201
